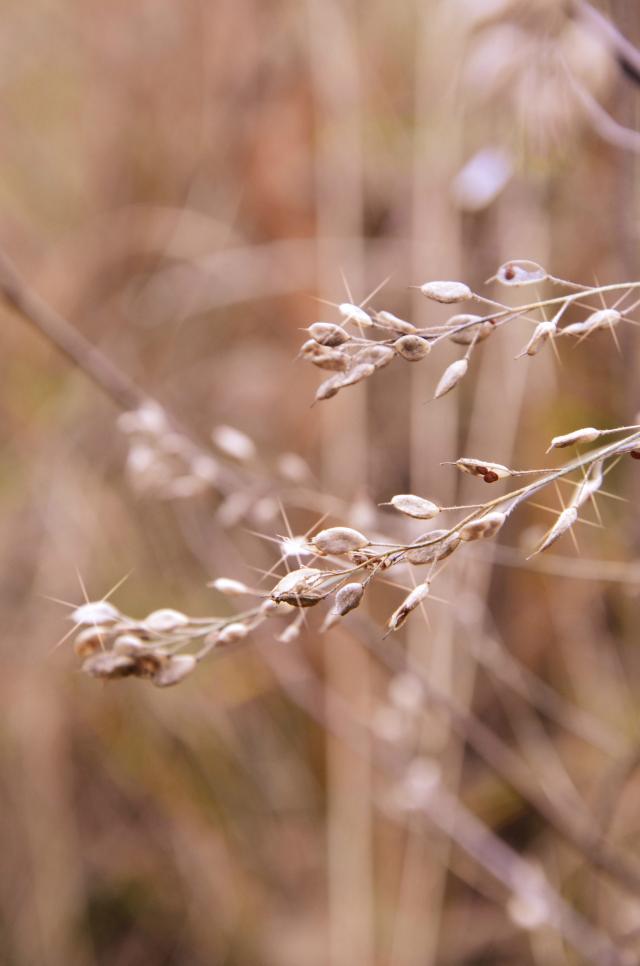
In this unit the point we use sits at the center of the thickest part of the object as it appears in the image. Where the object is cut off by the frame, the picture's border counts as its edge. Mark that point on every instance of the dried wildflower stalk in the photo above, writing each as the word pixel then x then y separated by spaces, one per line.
pixel 353 353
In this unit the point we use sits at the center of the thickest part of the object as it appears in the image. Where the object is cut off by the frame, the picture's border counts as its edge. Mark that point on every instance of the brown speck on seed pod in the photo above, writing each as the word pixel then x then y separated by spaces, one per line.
pixel 635 454
pixel 490 477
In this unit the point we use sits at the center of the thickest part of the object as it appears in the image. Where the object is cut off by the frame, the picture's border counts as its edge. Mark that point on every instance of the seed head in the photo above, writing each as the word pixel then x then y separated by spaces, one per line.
pixel 96 612
pixel 446 292
pixel 326 333
pixel 348 598
pixel 339 540
pixel 489 472
pixel 415 506
pixel 299 588
pixel 412 347
pixel 439 545
pixel 451 377
pixel 376 355
pixel 165 619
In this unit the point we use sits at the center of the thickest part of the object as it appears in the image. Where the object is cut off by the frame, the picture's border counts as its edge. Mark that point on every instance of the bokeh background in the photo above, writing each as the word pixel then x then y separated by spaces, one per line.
pixel 181 180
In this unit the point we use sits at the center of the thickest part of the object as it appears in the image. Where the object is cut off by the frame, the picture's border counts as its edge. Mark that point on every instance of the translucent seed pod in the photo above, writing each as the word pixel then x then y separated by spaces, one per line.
pixel 476 332
pixel 96 612
pixel 589 485
pixel 359 372
pixel 378 356
pixel 90 640
pixel 415 506
pixel 299 588
pixel 412 347
pixel 485 526
pixel 447 292
pixel 409 604
pixel 520 272
pixel 444 545
pixel 489 472
pixel 108 665
pixel 392 321
pixel 564 522
pixel 587 435
pixel 452 375
pixel 348 598
pixel 337 540
pixel 165 620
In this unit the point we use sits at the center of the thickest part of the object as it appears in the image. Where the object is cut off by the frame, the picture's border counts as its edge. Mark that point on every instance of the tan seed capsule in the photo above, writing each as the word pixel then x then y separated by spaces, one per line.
pixel 378 356
pixel 485 526
pixel 329 388
pixel 299 588
pixel 165 619
pixel 362 371
pixel 564 522
pixel 234 443
pixel 489 472
pixel 174 670
pixel 451 377
pixel 90 640
pixel 446 292
pixel 128 644
pixel 409 604
pixel 232 633
pixel 415 506
pixel 433 551
pixel 586 435
pixel 542 332
pixel 392 321
pixel 326 333
pixel 353 313
pixel 339 540
pixel 348 598
pixel 108 665
pixel 476 330
pixel 412 347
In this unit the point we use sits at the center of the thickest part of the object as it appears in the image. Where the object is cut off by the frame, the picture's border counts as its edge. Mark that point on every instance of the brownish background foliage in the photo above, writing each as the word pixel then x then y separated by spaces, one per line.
pixel 179 179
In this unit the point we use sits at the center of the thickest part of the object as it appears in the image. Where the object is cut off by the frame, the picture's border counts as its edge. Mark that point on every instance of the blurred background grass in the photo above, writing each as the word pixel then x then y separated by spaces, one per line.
pixel 180 180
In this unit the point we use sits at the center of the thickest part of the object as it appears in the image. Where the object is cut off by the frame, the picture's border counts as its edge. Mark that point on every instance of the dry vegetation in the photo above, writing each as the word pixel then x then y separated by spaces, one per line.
pixel 402 622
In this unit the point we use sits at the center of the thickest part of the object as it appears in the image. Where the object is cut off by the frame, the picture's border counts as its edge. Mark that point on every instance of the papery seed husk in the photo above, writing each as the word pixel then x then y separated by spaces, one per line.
pixel 331 359
pixel 587 435
pixel 348 598
pixel 375 355
pixel 602 319
pixel 339 540
pixel 473 333
pixel 95 612
pixel 329 388
pixel 393 322
pixel 353 313
pixel 229 587
pixel 415 506
pixel 589 485
pixel 485 526
pixel 412 347
pixel 520 272
pixel 91 639
pixel 435 551
pixel 481 468
pixel 129 644
pixel 174 670
pixel 326 333
pixel 447 292
pixel 165 619
pixel 232 633
pixel 109 665
pixel 564 522
pixel 451 377
pixel 299 588
pixel 359 372
pixel 540 335
pixel 409 604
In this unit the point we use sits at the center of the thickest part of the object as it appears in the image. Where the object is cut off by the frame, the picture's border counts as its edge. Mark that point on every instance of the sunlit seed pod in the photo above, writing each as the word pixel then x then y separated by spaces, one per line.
pixel 576 328
pixel 359 372
pixel 520 272
pixel 443 547
pixel 589 485
pixel 175 669
pixel 91 639
pixel 378 356
pixel 165 620
pixel 447 292
pixel 587 435
pixel 229 587
pixel 353 313
pixel 348 598
pixel 236 631
pixel 485 526
pixel 542 332
pixel 473 333
pixel 452 375
pixel 234 443
pixel 332 359
pixel 299 588
pixel 326 333
pixel 564 522
pixel 489 472
pixel 415 506
pixel 412 347
pixel 96 612
pixel 329 388
pixel 339 540
pixel 603 319
pixel 409 604
pixel 129 644
pixel 392 321
pixel 108 665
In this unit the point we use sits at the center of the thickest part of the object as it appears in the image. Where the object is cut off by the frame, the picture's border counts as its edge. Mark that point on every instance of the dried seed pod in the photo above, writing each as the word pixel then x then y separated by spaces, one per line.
pixel 520 272
pixel 485 526
pixel 353 313
pixel 324 357
pixel 415 506
pixel 90 640
pixel 451 377
pixel 411 601
pixel 339 540
pixel 329 388
pixel 564 522
pixel 541 334
pixel 96 612
pixel 129 644
pixel 236 631
pixel 391 321
pixel 231 588
pixel 412 347
pixel 602 319
pixel 165 620
pixel 326 333
pixel 587 435
pixel 362 371
pixel 234 443
pixel 299 588
pixel 446 292
pixel 108 665
pixel 590 485
pixel 348 598
pixel 375 355
pixel 489 472
pixel 174 670
pixel 439 545
pixel 473 332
